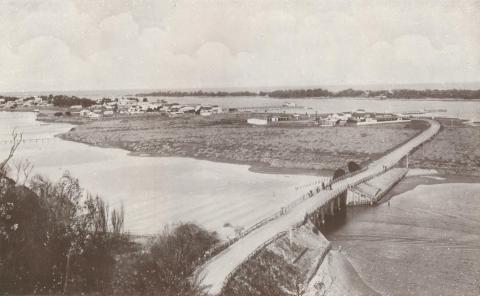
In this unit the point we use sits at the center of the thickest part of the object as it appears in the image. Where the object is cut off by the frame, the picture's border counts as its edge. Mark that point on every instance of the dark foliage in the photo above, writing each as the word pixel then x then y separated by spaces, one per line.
pixel 68 101
pixel 8 98
pixel 353 166
pixel 338 173
pixel 319 92
pixel 199 93
pixel 267 275
pixel 166 267
pixel 24 256
pixel 54 239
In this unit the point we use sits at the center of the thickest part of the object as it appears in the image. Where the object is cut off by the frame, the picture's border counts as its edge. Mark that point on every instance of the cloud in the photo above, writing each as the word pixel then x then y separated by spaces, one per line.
pixel 87 44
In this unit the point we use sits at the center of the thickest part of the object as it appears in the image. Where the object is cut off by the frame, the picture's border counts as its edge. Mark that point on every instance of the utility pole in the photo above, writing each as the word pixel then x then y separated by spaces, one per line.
pixel 407 160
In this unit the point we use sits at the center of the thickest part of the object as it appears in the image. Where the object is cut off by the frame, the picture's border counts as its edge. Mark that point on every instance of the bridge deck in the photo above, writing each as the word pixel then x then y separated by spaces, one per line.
pixel 217 269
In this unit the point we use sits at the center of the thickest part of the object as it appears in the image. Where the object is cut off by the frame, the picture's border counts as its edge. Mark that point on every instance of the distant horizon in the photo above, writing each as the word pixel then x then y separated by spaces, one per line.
pixel 80 46
pixel 334 87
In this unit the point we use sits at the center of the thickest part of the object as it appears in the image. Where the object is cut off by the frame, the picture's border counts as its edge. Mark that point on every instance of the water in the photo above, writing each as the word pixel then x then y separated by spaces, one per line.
pixel 156 191
pixel 454 108
pixel 426 242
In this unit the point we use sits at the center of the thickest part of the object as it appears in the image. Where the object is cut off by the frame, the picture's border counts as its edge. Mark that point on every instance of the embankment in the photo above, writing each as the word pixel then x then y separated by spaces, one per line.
pixel 300 261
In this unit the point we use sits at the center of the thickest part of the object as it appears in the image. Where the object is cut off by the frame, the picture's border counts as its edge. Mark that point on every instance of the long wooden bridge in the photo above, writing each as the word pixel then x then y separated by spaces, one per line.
pixel 223 264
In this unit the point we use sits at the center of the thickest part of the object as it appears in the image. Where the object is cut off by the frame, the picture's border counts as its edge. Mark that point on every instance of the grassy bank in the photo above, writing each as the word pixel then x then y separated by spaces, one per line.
pixel 453 151
pixel 228 138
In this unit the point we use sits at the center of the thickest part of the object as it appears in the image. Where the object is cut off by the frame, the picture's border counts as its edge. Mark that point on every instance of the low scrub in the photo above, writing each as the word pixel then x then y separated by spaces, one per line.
pixel 166 265
pixel 54 238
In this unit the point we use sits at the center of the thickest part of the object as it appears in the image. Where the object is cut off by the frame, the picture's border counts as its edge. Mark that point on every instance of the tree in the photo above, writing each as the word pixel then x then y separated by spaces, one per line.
pixel 23 169
pixel 16 141
pixel 24 254
pixel 353 166
pixel 338 173
pixel 53 237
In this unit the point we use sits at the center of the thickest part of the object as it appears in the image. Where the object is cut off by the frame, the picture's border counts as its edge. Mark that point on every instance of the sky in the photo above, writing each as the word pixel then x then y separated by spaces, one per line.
pixel 160 44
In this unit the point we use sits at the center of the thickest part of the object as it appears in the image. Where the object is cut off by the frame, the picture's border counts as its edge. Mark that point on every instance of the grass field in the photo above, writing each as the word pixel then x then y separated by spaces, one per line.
pixel 228 138
pixel 453 151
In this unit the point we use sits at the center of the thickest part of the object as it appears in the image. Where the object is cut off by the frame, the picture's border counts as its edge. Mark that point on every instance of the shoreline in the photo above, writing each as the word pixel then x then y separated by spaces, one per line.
pixel 255 167
pixel 411 182
pixel 278 165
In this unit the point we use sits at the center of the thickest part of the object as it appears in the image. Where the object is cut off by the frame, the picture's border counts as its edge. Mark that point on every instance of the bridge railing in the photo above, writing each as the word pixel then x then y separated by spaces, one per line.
pixel 324 180
pixel 334 193
pixel 284 210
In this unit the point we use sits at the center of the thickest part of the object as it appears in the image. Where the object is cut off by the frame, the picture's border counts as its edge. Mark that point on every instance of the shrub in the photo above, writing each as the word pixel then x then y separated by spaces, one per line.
pixel 167 264
pixel 338 173
pixel 54 239
pixel 24 257
pixel 353 166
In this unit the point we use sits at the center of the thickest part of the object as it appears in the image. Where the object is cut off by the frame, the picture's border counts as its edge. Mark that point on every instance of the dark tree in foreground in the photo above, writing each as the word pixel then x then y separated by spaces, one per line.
pixel 55 238
pixel 167 265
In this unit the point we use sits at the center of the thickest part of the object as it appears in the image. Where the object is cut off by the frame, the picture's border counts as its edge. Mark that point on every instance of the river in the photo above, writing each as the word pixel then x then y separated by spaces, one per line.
pixel 426 241
pixel 156 191
pixel 468 110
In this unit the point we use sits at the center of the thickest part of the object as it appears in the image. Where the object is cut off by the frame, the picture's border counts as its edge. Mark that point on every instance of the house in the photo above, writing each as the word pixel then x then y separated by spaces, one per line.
pixel 187 109
pixel 27 104
pixel 94 115
pixel 175 108
pixel 278 118
pixel 11 104
pixel 343 116
pixel 144 106
pixel 85 113
pixel 37 100
pixel 205 112
pixel 76 107
pixel 257 121
pixel 127 101
pixel 217 109
pixel 289 104
pixel 387 117
pixel 134 110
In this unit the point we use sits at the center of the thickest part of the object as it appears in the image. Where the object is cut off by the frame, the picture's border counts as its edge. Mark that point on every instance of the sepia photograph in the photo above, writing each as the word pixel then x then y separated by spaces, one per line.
pixel 240 147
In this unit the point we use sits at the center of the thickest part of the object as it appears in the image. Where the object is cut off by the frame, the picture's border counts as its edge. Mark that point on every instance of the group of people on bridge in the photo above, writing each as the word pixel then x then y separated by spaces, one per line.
pixel 324 187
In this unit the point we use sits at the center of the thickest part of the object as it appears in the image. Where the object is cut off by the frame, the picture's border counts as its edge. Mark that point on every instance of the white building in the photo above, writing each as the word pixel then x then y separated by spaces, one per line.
pixel 94 115
pixel 76 107
pixel 85 113
pixel 257 121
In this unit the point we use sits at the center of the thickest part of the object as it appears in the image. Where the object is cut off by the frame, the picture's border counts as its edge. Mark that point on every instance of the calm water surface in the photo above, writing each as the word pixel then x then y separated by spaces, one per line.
pixel 156 190
pixel 459 109
pixel 426 242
